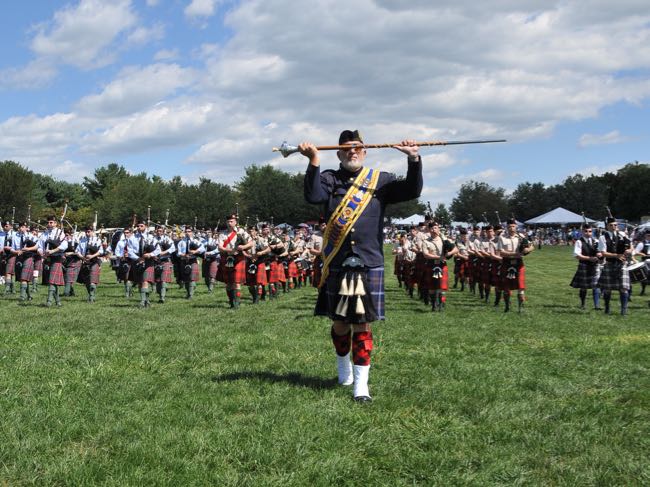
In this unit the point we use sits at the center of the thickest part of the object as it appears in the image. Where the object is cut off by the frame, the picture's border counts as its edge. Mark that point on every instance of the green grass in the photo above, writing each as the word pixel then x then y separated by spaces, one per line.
pixel 192 393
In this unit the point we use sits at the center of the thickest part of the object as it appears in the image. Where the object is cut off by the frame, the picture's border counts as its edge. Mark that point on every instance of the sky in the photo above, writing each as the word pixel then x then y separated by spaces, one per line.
pixel 205 88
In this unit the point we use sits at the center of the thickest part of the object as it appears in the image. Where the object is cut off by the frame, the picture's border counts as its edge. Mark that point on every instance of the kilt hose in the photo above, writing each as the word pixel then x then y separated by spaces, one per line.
pixel 259 278
pixel 210 268
pixel 27 268
pixel 328 293
pixel 10 265
pixel 72 268
pixel 235 274
pixel 513 275
pixel 89 273
pixel 437 283
pixel 164 271
pixel 614 276
pixel 53 273
pixel 586 276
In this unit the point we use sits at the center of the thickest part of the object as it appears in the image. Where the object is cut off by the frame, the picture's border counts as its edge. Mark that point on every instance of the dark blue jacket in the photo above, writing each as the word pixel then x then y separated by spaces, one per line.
pixel 366 237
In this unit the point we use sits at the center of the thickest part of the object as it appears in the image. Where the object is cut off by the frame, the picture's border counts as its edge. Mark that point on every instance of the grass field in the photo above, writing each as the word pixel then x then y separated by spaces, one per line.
pixel 192 393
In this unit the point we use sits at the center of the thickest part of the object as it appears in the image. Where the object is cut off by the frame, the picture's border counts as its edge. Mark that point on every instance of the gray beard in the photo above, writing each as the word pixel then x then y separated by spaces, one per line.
pixel 352 166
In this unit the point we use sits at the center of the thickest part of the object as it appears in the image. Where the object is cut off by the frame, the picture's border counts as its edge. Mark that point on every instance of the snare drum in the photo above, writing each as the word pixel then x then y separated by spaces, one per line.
pixel 638 272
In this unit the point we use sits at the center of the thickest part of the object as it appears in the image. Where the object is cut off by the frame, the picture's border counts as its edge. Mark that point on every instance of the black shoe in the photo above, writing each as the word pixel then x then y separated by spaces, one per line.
pixel 363 399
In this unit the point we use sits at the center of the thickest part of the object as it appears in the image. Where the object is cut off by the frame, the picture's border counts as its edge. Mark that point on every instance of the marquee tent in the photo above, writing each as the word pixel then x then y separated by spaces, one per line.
pixel 558 216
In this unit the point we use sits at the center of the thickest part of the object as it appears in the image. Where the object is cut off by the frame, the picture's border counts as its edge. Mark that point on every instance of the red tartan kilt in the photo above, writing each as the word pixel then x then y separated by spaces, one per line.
pixel 11 265
pixel 436 284
pixel 519 283
pixel 276 272
pixel 91 275
pixel 495 280
pixel 54 275
pixel 72 271
pixel 27 270
pixel 408 273
pixel 460 268
pixel 292 269
pixel 140 276
pixel 167 273
pixel 235 274
pixel 38 264
pixel 486 270
pixel 210 269
pixel 259 278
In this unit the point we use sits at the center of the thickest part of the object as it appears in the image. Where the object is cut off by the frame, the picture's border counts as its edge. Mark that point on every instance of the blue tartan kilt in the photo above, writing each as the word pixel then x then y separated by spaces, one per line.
pixel 586 276
pixel 27 269
pixel 72 270
pixel 614 277
pixel 327 294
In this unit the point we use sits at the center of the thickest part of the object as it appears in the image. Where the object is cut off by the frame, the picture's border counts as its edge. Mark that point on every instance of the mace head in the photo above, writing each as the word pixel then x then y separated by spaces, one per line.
pixel 285 149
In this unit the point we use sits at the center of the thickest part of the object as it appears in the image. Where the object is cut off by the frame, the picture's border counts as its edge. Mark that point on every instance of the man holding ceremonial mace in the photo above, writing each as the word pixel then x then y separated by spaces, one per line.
pixel 351 290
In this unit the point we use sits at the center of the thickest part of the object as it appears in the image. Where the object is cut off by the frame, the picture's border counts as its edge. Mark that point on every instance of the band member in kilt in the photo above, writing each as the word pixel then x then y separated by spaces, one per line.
pixel 474 267
pixel 24 247
pixel 124 262
pixel 642 249
pixel 436 251
pixel 72 264
pixel 351 291
pixel 491 263
pixel 585 250
pixel 274 268
pixel 233 242
pixel 189 248
pixel 143 250
pixel 512 248
pixel 8 258
pixel 38 259
pixel 616 248
pixel 407 257
pixel 461 260
pixel 314 247
pixel 89 250
pixel 256 278
pixel 210 261
pixel 53 246
pixel 164 269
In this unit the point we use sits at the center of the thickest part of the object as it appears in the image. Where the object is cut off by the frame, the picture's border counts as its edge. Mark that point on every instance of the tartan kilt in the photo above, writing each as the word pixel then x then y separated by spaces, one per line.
pixel 143 273
pixel 72 270
pixel 89 273
pixel 317 271
pixel 420 270
pixel 53 274
pixel 408 273
pixel 327 294
pixel 38 263
pixel 235 274
pixel 460 268
pixel 519 282
pixel 275 271
pixel 396 267
pixel 477 269
pixel 292 269
pixel 10 265
pixel 486 270
pixel 210 268
pixel 435 284
pixel 27 269
pixel 495 278
pixel 259 278
pixel 164 271
pixel 586 276
pixel 614 277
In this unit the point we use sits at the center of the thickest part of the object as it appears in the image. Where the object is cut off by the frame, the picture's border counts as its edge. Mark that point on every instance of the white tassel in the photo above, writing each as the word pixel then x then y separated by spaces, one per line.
pixel 344 291
pixel 360 308
pixel 359 291
pixel 342 308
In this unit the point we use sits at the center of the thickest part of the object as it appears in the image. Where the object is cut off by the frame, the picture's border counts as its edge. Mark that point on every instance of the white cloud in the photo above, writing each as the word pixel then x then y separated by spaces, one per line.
pixel 167 55
pixel 144 35
pixel 80 35
pixel 613 137
pixel 200 8
pixel 35 74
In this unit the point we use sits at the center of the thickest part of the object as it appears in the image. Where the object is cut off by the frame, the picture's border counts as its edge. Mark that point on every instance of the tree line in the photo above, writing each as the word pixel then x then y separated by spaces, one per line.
pixel 265 193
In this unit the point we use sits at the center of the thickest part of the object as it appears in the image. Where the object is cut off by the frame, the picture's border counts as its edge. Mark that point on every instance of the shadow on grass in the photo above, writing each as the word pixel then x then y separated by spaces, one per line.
pixel 293 378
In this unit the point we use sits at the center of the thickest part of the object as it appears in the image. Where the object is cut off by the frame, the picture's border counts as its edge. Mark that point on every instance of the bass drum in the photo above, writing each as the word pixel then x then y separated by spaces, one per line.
pixel 638 272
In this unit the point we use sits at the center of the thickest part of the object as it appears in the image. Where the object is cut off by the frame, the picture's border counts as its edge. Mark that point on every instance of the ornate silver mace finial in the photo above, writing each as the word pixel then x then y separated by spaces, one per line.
pixel 285 149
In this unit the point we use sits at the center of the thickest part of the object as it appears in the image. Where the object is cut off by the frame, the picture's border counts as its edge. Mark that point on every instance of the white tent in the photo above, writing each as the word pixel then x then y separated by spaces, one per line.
pixel 558 216
pixel 411 220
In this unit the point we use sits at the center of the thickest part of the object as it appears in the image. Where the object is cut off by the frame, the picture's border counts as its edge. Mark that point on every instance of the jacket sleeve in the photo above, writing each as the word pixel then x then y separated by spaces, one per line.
pixel 315 191
pixel 409 188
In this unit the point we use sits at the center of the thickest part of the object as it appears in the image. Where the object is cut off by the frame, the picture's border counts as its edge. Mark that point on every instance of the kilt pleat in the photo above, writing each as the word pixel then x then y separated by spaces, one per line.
pixel 53 274
pixel 27 269
pixel 586 276
pixel 72 269
pixel 519 282
pixel 327 294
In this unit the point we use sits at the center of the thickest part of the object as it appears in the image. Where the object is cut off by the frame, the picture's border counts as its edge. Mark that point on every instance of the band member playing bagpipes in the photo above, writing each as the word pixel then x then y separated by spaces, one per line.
pixel 233 242
pixel 256 278
pixel 491 264
pixel 210 260
pixel 72 264
pixel 460 260
pixel 274 268
pixel 497 261
pixel 189 248
pixel 7 259
pixel 436 251
pixel 616 248
pixel 351 291
pixel 512 247
pixel 585 250
pixel 24 248
pixel 53 246
pixel 473 265
pixel 37 258
pixel 140 249
pixel 295 248
pixel 164 268
pixel 123 261
pixel 315 247
pixel 90 250
pixel 406 260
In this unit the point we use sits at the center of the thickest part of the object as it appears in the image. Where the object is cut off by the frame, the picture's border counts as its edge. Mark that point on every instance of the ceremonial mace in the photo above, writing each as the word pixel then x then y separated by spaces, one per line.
pixel 286 150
